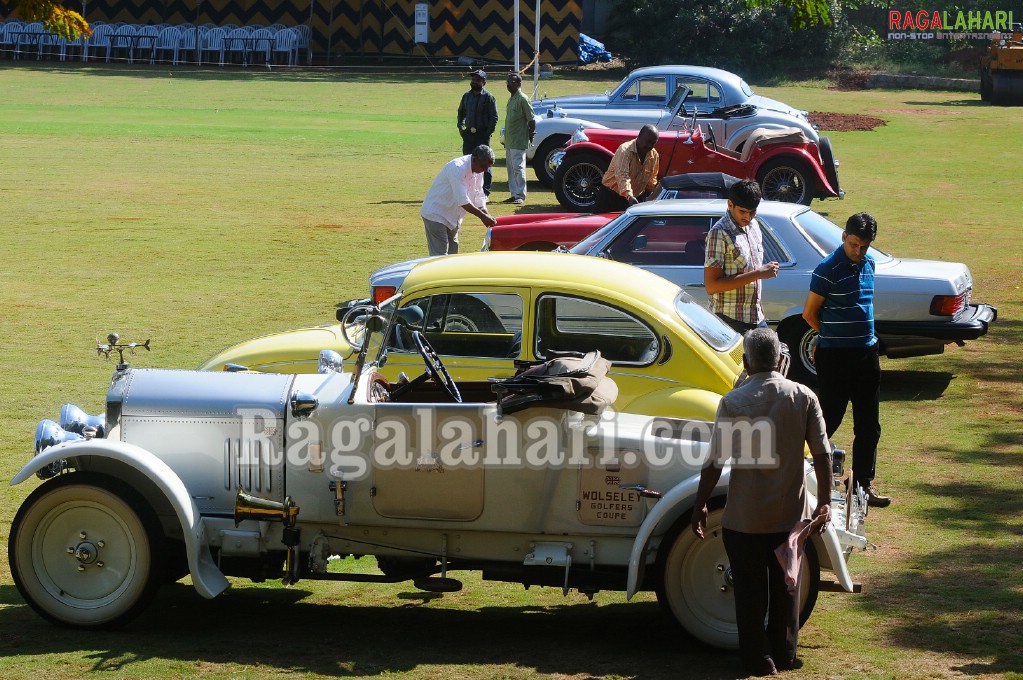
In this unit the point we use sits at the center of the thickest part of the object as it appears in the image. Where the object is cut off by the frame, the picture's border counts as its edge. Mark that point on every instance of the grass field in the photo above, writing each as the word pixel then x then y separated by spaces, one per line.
pixel 199 208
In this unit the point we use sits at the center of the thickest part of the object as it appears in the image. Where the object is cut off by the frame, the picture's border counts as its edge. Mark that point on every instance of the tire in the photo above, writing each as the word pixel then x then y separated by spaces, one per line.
pixel 828 161
pixel 696 583
pixel 797 334
pixel 119 567
pixel 787 180
pixel 541 159
pixel 578 180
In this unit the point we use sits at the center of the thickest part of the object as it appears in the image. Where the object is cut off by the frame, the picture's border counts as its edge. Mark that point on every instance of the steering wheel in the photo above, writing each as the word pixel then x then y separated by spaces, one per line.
pixel 435 367
pixel 710 137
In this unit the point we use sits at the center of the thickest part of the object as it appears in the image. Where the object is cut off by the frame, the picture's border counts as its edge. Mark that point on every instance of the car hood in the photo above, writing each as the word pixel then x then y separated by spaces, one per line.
pixel 393 275
pixel 294 351
pixel 774 105
pixel 573 101
pixel 597 220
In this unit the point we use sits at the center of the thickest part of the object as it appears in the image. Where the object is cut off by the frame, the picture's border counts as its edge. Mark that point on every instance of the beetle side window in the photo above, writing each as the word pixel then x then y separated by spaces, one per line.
pixel 652 91
pixel 676 240
pixel 566 323
pixel 468 324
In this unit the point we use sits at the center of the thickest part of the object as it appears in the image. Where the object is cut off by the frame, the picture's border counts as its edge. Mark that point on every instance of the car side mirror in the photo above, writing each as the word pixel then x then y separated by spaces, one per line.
pixel 638 243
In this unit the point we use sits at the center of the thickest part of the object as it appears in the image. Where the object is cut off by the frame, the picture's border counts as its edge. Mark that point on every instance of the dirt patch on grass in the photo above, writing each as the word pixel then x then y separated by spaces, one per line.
pixel 844 122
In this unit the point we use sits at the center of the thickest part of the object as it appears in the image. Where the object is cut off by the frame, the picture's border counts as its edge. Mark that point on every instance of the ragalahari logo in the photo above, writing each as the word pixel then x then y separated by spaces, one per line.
pixel 946 25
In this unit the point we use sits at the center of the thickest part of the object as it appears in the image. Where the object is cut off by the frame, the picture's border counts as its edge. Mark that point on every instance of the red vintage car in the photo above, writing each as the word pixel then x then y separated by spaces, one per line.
pixel 788 166
pixel 548 231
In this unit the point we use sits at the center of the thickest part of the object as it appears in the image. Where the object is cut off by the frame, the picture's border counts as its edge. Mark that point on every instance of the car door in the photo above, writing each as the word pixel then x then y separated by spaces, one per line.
pixel 477 333
pixel 674 246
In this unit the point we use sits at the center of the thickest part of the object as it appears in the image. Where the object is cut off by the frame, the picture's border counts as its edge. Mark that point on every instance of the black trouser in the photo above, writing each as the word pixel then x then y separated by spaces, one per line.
pixel 760 592
pixel 469 143
pixel 853 374
pixel 609 201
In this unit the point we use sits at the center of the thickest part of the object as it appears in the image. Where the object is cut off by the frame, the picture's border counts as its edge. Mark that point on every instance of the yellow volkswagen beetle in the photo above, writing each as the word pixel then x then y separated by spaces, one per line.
pixel 484 313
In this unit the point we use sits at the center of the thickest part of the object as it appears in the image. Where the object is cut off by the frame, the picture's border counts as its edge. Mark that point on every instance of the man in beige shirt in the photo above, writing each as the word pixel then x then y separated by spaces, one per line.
pixel 632 175
pixel 766 497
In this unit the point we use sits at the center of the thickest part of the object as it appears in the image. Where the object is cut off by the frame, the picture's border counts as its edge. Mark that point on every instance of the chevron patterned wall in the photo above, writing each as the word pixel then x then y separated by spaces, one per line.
pixel 481 29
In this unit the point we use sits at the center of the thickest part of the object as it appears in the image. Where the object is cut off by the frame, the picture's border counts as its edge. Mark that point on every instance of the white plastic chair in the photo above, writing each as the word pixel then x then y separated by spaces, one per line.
pixel 48 45
pixel 236 42
pixel 65 46
pixel 212 41
pixel 100 39
pixel 305 41
pixel 9 41
pixel 169 40
pixel 121 39
pixel 29 37
pixel 186 43
pixel 285 43
pixel 147 37
pixel 262 41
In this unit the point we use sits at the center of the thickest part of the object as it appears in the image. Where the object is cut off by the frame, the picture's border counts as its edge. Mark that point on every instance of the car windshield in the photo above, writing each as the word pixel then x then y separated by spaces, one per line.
pixel 584 246
pixel 713 331
pixel 828 237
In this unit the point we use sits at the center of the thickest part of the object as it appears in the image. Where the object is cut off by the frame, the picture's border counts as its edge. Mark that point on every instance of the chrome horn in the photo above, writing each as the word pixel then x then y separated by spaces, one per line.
pixel 49 433
pixel 74 419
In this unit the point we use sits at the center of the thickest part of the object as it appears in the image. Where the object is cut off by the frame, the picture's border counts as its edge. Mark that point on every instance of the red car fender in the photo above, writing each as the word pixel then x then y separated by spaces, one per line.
pixel 808 153
pixel 589 146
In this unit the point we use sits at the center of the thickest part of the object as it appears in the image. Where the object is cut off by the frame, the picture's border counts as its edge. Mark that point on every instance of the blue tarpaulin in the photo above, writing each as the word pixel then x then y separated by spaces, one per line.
pixel 591 51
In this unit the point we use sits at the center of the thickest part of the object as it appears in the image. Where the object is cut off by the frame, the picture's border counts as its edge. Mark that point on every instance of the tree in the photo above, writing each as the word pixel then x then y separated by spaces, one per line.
pixel 805 13
pixel 56 18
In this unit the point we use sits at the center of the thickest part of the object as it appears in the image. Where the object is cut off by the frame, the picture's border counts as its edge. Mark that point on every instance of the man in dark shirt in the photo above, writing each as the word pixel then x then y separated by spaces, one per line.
pixel 840 306
pixel 477 119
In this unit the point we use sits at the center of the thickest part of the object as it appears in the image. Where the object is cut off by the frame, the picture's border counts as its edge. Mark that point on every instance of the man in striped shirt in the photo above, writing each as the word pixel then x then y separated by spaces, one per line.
pixel 734 261
pixel 840 306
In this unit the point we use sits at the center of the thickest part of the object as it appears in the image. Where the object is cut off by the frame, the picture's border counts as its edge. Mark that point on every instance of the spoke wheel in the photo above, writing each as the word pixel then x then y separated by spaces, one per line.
pixel 786 180
pixel 578 181
pixel 82 551
pixel 697 585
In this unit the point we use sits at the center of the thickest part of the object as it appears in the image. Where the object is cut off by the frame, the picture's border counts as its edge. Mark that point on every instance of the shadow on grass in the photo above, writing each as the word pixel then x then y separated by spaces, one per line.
pixel 975 102
pixel 913 385
pixel 271 628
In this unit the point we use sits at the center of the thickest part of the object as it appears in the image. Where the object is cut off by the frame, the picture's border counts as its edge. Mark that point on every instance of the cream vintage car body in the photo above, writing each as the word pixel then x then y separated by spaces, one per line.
pixel 267 476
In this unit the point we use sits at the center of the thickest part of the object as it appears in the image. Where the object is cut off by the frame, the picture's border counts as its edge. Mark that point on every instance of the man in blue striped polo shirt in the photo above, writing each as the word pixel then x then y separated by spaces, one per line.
pixel 840 306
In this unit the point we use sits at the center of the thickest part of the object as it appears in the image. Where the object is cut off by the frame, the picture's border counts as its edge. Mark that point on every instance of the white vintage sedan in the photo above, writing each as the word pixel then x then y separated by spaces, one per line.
pixel 268 476
pixel 721 100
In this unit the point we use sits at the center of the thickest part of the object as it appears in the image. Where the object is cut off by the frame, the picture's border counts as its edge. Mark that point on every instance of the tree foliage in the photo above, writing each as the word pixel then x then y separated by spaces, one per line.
pixel 805 13
pixel 751 38
pixel 56 18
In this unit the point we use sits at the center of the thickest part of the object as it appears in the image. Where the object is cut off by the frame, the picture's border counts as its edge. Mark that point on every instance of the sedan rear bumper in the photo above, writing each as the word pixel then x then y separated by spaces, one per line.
pixel 972 324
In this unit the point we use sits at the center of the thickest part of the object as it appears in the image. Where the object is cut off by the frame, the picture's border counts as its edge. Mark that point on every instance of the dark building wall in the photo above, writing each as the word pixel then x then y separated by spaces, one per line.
pixel 458 28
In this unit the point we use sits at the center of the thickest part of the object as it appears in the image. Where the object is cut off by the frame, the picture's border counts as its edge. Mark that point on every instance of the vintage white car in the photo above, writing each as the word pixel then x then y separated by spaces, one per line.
pixel 267 476
pixel 724 104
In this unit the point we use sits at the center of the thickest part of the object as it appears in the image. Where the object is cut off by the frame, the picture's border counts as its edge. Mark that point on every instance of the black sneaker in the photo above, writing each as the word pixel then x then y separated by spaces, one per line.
pixel 875 499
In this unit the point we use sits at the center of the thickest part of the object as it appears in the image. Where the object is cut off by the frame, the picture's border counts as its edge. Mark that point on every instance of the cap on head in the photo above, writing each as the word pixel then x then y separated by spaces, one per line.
pixel 480 73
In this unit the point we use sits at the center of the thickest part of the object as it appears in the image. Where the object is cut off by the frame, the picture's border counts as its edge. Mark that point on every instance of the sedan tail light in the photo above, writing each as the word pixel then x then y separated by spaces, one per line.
pixel 948 305
pixel 381 293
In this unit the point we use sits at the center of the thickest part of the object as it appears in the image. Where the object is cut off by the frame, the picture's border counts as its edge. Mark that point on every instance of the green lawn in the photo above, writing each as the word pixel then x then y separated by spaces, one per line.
pixel 198 208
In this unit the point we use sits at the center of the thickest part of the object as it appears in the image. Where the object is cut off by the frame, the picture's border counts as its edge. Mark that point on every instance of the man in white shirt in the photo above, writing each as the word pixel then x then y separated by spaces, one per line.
pixel 458 189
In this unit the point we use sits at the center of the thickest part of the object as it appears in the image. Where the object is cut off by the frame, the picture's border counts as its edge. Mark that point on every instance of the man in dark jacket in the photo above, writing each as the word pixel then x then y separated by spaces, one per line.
pixel 477 118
